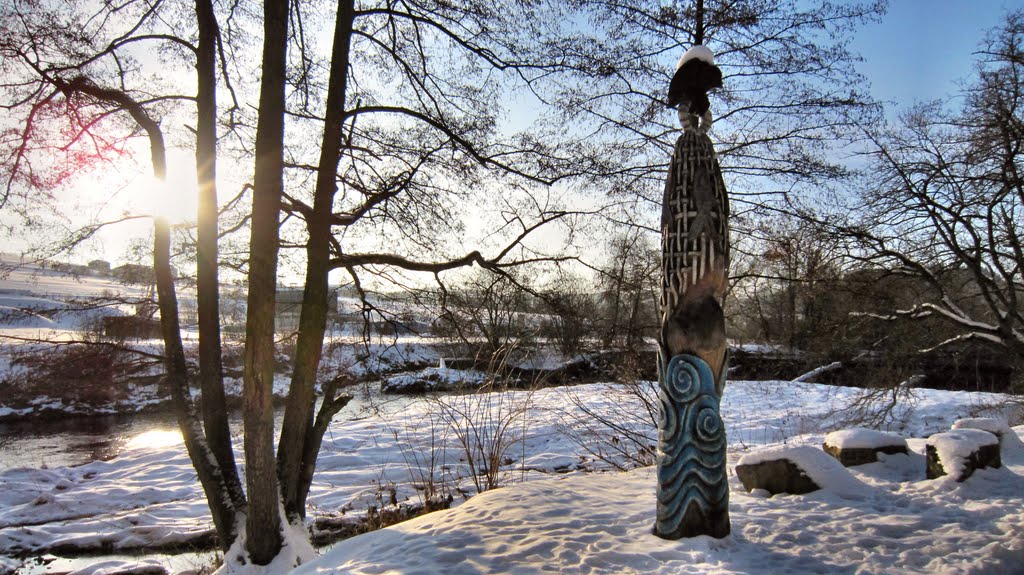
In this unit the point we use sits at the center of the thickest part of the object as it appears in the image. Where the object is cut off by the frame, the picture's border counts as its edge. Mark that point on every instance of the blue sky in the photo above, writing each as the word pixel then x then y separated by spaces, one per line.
pixel 922 48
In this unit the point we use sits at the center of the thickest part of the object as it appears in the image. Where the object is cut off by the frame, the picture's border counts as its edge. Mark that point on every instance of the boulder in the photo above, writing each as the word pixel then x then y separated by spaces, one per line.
pixel 776 476
pixel 797 470
pixel 859 445
pixel 996 427
pixel 960 452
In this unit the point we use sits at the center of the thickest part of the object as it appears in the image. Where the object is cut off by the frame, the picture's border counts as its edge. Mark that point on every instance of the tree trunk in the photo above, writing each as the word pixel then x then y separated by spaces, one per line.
pixel 634 332
pixel 215 415
pixel 263 521
pixel 698 26
pixel 299 446
pixel 211 477
pixel 221 503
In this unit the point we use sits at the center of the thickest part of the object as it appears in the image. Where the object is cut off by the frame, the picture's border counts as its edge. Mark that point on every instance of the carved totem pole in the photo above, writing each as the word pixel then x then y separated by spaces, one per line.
pixel 693 493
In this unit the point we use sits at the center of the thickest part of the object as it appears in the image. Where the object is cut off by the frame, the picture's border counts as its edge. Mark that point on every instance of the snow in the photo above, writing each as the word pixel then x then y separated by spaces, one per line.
pixel 29 279
pixel 697 52
pixel 295 550
pixel 600 524
pixel 810 376
pixel 824 470
pixel 997 427
pixel 564 510
pixel 955 446
pixel 433 378
pixel 21 311
pixel 863 438
pixel 118 567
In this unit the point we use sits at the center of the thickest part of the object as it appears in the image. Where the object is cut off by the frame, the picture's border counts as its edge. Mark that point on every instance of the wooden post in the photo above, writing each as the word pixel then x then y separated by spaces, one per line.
pixel 693 491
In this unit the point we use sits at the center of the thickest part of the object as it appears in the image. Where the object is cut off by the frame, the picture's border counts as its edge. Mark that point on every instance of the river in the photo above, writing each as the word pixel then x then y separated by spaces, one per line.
pixel 73 440
pixel 77 440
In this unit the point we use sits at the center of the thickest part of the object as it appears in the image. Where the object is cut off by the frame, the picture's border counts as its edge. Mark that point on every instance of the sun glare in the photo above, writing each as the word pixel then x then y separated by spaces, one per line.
pixel 175 198
pixel 155 439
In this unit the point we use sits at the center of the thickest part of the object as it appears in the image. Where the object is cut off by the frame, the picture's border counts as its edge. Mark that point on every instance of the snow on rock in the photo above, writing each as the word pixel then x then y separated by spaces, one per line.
pixel 1013 447
pixel 960 451
pixel 863 438
pixel 861 446
pixel 697 52
pixel 997 427
pixel 822 469
pixel 960 443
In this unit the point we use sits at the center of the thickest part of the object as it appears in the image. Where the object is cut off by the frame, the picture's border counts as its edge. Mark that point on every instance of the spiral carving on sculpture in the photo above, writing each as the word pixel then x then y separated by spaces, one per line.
pixel 691 445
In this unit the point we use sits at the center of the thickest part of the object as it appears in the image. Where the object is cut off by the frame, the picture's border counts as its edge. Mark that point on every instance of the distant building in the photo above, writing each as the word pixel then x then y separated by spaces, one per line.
pixel 133 274
pixel 72 269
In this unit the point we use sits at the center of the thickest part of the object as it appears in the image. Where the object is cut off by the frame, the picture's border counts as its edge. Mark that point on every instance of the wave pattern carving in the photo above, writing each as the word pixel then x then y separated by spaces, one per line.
pixel 693 490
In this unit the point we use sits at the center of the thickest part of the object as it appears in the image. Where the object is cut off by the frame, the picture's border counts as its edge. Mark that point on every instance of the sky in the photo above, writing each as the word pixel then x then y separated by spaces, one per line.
pixel 921 50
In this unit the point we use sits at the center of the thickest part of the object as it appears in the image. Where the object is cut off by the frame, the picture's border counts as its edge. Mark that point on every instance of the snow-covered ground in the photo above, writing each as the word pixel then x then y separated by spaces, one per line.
pixel 561 509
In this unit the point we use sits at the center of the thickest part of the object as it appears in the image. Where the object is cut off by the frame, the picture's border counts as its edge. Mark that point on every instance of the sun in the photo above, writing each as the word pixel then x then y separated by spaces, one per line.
pixel 174 199
pixel 129 188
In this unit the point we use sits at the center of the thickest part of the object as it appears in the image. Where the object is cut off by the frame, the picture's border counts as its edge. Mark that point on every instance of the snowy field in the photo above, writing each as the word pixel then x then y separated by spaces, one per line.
pixel 561 509
pixel 573 496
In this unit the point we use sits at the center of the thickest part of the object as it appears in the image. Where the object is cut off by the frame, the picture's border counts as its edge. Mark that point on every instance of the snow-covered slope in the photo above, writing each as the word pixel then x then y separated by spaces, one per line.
pixel 601 524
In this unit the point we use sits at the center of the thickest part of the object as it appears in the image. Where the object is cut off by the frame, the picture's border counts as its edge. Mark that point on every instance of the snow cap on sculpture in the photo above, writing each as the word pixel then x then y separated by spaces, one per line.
pixel 698 52
pixel 696 74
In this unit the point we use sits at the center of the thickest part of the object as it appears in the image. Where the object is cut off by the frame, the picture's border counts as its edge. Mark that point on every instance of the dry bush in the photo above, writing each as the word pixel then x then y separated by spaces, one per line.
pixel 622 429
pixel 482 427
pixel 85 373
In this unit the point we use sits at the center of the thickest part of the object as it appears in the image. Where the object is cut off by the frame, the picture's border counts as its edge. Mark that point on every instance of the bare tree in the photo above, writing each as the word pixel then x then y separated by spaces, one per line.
pixel 629 284
pixel 409 130
pixel 487 314
pixel 791 93
pixel 786 290
pixel 51 62
pixel 945 202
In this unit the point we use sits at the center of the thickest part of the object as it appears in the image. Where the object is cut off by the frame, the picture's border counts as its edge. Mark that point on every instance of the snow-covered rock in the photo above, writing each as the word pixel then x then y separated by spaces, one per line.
pixel 796 470
pixel 858 446
pixel 997 427
pixel 960 452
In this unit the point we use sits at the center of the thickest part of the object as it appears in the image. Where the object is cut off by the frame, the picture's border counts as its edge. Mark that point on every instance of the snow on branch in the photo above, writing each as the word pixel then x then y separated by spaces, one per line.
pixel 811 375
pixel 965 337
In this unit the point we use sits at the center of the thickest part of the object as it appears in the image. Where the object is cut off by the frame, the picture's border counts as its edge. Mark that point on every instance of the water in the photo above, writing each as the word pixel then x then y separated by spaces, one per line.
pixel 73 441
pixel 77 440
pixel 199 562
